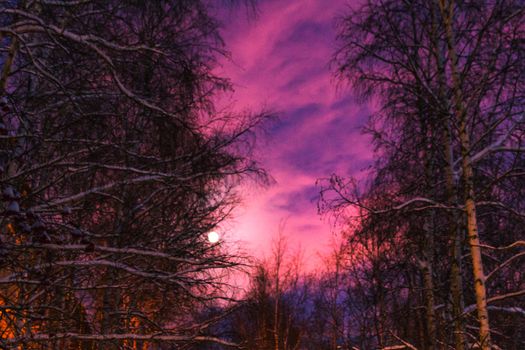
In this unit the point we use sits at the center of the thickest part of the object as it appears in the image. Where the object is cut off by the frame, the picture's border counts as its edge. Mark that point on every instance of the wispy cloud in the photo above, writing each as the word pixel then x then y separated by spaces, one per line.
pixel 281 61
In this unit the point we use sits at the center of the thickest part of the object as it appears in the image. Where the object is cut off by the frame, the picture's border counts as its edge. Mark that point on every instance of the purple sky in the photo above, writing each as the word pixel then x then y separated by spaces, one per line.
pixel 281 62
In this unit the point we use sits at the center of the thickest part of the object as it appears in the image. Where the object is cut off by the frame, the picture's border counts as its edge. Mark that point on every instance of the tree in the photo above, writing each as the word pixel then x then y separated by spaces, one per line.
pixel 449 79
pixel 114 166
pixel 275 311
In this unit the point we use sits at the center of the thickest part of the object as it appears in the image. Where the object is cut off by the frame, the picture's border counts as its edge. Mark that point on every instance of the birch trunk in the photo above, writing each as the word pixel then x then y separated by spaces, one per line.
pixel 467 174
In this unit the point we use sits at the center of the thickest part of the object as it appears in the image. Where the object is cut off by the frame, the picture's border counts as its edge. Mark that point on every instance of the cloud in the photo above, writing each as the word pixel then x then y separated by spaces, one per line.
pixel 281 61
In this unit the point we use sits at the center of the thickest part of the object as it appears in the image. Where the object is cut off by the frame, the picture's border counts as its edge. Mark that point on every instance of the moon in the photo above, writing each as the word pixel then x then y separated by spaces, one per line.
pixel 213 237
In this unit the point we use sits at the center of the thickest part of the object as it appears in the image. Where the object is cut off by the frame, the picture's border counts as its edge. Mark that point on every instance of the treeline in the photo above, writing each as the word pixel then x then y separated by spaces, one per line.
pixel 363 295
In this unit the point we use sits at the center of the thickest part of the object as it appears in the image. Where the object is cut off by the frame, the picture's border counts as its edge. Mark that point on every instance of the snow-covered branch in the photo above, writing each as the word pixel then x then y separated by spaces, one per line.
pixel 125 336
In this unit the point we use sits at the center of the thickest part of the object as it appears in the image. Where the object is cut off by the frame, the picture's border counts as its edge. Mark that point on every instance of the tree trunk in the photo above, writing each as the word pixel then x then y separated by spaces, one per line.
pixel 456 280
pixel 8 63
pixel 428 286
pixel 467 175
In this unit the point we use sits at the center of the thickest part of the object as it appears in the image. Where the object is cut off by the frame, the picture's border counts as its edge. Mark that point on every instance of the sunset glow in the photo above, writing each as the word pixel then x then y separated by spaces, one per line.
pixel 280 60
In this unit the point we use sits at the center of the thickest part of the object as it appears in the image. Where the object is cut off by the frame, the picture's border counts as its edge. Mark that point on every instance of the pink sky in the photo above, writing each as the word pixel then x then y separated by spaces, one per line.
pixel 281 62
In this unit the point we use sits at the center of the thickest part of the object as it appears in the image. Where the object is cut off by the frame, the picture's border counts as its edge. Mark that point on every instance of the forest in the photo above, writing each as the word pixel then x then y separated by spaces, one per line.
pixel 116 162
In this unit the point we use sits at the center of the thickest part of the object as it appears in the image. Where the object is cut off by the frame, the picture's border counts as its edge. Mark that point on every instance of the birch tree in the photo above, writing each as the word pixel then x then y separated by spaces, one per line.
pixel 449 79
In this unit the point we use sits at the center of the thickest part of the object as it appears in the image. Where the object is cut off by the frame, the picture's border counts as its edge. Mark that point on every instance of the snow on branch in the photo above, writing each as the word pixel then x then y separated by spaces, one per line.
pixel 125 336
pixel 509 309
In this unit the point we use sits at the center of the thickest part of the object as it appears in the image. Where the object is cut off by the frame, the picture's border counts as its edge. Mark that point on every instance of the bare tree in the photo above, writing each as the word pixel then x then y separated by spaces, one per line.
pixel 449 77
pixel 274 313
pixel 114 167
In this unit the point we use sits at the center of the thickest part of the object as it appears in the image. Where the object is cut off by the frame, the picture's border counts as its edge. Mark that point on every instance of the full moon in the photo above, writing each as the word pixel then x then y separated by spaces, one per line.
pixel 213 237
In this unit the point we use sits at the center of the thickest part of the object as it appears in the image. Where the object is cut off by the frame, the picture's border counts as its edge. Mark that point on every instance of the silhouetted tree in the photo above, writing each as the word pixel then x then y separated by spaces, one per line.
pixel 275 310
pixel 114 165
pixel 449 79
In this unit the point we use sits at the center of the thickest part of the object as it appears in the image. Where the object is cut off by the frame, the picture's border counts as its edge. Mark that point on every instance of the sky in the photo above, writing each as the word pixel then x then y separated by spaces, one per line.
pixel 280 61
